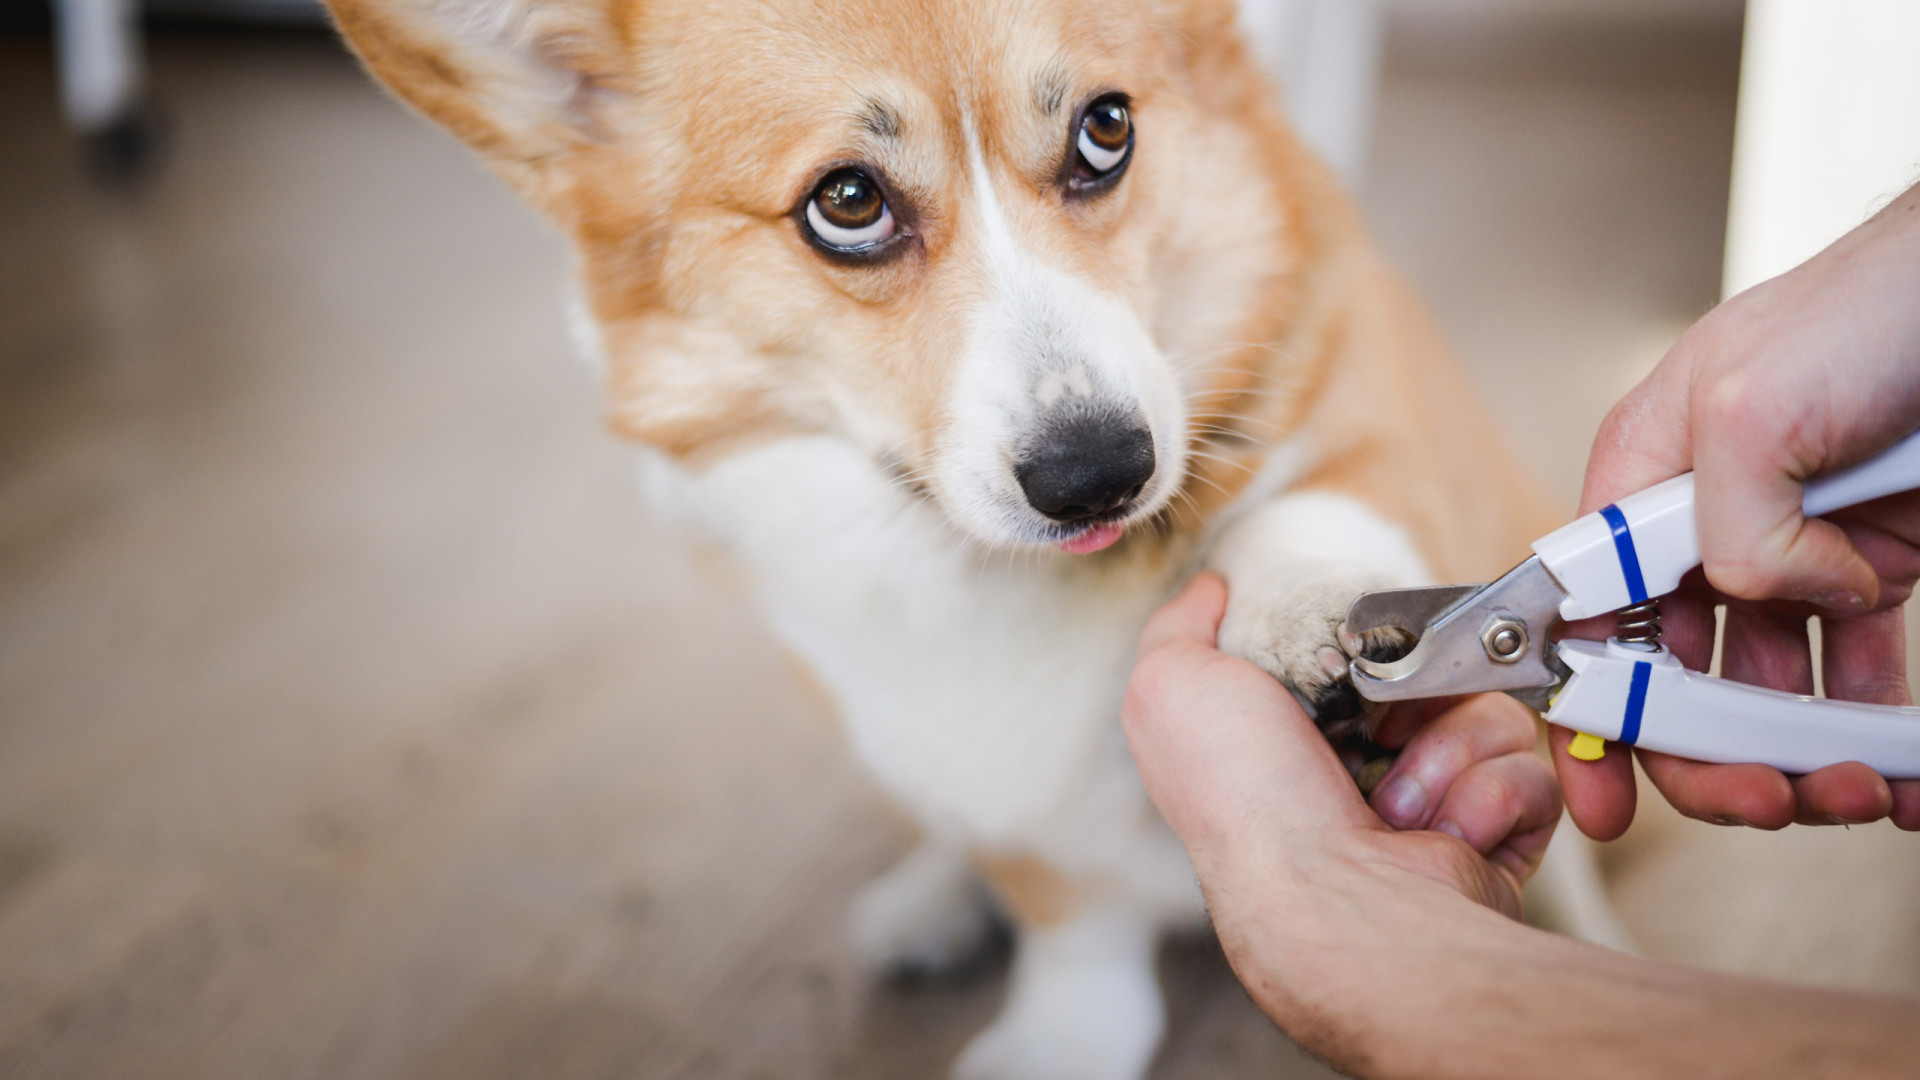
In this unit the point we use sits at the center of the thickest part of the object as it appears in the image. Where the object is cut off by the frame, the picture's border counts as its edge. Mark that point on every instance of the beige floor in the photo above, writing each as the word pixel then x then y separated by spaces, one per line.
pixel 355 722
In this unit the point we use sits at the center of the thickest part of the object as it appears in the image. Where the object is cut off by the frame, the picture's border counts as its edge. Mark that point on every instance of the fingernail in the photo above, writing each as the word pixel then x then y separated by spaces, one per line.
pixel 1728 819
pixel 1450 829
pixel 1836 819
pixel 1402 801
pixel 1840 600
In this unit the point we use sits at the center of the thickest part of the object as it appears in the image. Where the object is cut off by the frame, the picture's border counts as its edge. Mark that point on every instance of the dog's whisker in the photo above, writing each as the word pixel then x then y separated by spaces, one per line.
pixel 1186 498
pixel 1196 362
pixel 1248 391
pixel 1219 429
pixel 1238 417
pixel 1219 347
pixel 1241 434
pixel 1230 427
pixel 1203 368
pixel 1205 456
pixel 1211 415
pixel 1203 478
pixel 1237 391
pixel 1262 394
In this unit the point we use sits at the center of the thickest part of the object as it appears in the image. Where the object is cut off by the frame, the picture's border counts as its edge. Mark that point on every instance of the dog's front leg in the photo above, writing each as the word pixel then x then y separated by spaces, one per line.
pixel 1083 1002
pixel 1292 568
pixel 928 915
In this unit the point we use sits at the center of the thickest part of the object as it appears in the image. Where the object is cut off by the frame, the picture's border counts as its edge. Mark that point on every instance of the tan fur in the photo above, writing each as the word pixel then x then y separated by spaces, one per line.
pixel 689 258
pixel 802 675
pixel 1398 429
pixel 674 166
pixel 680 135
pixel 677 176
pixel 1034 893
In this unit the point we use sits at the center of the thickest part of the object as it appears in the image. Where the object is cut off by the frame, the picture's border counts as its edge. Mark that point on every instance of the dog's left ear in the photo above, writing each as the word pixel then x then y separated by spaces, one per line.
pixel 1213 44
pixel 525 82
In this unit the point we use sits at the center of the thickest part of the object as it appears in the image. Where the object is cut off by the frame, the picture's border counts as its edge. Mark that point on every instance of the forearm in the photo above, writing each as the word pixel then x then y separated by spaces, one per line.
pixel 1407 978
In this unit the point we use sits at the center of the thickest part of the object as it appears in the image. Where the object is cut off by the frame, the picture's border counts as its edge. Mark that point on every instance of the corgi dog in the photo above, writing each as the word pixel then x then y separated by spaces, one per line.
pixel 971 328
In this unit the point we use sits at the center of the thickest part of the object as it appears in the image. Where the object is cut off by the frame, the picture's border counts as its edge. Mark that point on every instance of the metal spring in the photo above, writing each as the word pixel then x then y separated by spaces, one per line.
pixel 1640 624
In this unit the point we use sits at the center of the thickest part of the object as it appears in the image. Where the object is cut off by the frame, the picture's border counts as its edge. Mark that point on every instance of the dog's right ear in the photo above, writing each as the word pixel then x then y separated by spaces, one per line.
pixel 525 82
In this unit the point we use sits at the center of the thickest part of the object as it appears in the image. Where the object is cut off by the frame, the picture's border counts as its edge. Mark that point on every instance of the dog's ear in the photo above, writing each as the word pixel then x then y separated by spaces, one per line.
pixel 525 82
pixel 1214 47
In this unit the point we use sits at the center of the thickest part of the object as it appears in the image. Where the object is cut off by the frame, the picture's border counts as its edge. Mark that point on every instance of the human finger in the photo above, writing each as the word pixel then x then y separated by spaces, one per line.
pixel 1906 804
pixel 1483 727
pixel 1761 646
pixel 1225 751
pixel 1404 719
pixel 1505 809
pixel 1687 623
pixel 1848 793
pixel 1794 379
pixel 1864 658
pixel 1755 795
pixel 1645 438
pixel 1756 545
pixel 1599 794
pixel 1192 616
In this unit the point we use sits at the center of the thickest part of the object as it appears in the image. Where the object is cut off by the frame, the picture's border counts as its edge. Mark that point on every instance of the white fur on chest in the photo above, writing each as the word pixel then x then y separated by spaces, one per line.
pixel 982 689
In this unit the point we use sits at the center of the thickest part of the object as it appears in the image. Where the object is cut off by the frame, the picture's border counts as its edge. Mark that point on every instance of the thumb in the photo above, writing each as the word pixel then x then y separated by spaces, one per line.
pixel 1755 543
pixel 1774 553
pixel 1193 616
pixel 1645 437
pixel 1224 750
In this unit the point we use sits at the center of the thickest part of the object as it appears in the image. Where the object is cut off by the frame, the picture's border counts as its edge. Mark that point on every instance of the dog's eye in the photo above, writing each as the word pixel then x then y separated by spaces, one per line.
pixel 848 213
pixel 1106 136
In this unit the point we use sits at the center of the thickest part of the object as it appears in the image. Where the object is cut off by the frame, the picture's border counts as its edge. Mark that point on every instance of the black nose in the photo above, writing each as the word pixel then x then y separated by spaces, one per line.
pixel 1086 467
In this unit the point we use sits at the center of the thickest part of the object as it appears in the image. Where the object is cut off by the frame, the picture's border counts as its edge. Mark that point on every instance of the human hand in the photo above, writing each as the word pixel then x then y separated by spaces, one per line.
pixel 1281 840
pixel 1795 378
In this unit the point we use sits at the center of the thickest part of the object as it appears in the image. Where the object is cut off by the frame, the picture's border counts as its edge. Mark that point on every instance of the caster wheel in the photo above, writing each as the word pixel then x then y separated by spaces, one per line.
pixel 128 148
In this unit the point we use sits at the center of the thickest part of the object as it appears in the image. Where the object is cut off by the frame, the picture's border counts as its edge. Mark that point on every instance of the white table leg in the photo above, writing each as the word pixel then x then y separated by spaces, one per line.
pixel 100 60
pixel 1828 130
pixel 1326 54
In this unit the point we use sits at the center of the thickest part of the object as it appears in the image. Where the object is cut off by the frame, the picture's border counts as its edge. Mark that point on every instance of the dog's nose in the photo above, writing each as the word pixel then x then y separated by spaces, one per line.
pixel 1087 467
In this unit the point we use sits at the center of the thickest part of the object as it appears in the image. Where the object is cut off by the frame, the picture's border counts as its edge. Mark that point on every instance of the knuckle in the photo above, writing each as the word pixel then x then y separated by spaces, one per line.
pixel 1724 399
pixel 1516 726
pixel 1163 678
pixel 1493 788
pixel 1500 789
pixel 1151 684
pixel 1544 796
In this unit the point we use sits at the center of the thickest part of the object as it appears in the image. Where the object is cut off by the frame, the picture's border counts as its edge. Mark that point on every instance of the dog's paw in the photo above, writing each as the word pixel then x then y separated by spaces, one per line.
pixel 1297 635
pixel 929 915
pixel 1096 1020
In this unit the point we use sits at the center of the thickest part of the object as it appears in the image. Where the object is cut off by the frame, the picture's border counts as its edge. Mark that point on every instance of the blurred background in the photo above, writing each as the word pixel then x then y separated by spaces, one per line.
pixel 355 721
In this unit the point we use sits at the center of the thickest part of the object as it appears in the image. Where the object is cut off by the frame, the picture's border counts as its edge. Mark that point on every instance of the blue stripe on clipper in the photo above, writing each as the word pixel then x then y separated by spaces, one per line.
pixel 1636 702
pixel 1629 558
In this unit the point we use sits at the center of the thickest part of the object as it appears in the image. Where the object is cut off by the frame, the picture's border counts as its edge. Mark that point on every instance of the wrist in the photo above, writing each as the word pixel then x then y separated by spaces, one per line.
pixel 1362 959
pixel 1322 943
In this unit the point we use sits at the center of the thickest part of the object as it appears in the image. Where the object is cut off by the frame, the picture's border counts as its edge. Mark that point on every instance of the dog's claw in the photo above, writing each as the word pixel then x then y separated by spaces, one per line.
pixel 1338 709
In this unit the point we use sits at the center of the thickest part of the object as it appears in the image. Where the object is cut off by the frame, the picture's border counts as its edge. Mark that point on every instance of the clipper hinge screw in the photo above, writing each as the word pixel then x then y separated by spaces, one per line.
pixel 1505 641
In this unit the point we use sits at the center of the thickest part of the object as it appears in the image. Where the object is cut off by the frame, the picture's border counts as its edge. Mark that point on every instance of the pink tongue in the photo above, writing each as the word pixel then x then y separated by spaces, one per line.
pixel 1095 539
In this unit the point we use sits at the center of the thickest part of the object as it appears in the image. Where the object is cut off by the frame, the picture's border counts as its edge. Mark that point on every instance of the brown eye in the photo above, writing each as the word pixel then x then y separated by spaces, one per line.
pixel 1108 125
pixel 848 213
pixel 1106 135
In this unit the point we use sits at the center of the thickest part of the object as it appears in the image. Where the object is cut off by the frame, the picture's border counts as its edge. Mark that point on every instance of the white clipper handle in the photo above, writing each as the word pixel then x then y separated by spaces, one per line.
pixel 1643 545
pixel 1648 699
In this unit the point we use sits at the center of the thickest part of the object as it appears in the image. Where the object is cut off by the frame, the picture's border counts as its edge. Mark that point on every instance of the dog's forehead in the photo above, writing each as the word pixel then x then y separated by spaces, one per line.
pixel 806 78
